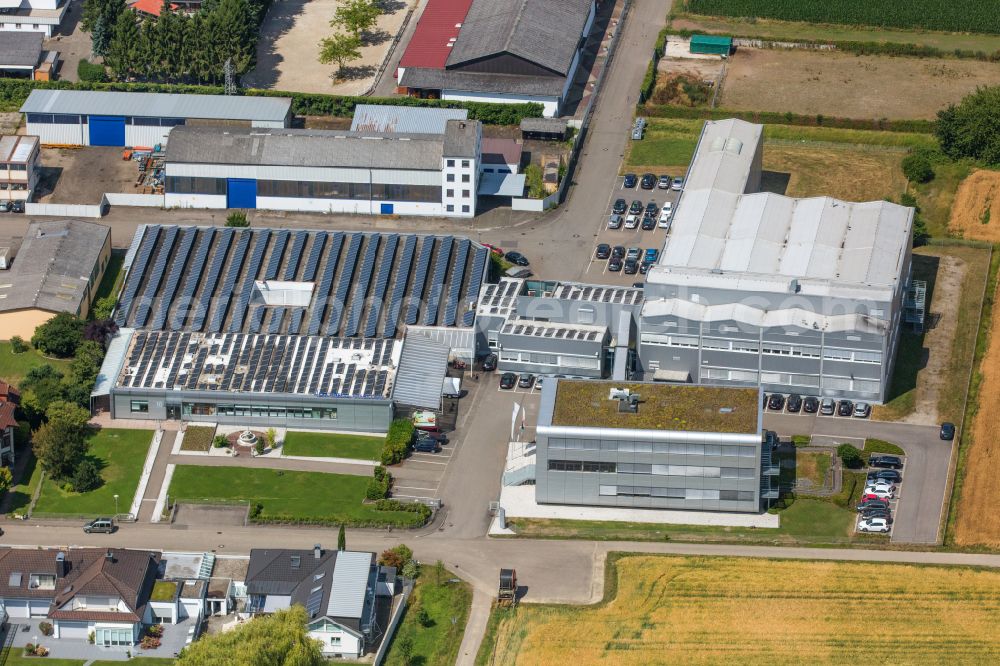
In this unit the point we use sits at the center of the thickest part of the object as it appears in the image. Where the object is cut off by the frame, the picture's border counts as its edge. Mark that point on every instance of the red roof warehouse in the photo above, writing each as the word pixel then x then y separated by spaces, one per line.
pixel 437 28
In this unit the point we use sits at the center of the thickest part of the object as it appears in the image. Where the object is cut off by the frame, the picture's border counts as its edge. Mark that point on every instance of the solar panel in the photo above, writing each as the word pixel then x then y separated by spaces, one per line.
pixel 136 272
pixel 295 256
pixel 200 309
pixel 314 601
pixel 399 286
pixel 361 290
pixel 256 319
pixel 381 284
pixel 155 276
pixel 174 277
pixel 326 283
pixel 224 295
pixel 387 353
pixel 274 326
pixel 296 320
pixel 455 286
pixel 336 308
pixel 479 260
pixel 370 380
pixel 419 278
pixel 315 252
pixel 437 283
pixel 274 261
pixel 256 259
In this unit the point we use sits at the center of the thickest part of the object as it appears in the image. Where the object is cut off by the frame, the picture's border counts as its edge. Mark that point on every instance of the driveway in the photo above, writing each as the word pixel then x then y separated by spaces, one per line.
pixel 922 494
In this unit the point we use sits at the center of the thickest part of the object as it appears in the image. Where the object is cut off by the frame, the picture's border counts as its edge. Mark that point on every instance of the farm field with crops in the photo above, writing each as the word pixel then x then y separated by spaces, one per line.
pixel 950 15
pixel 710 610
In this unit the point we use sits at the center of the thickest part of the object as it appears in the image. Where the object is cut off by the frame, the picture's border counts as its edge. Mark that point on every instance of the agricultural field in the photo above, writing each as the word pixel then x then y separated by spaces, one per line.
pixel 709 610
pixel 847 172
pixel 949 15
pixel 844 85
pixel 769 29
pixel 975 213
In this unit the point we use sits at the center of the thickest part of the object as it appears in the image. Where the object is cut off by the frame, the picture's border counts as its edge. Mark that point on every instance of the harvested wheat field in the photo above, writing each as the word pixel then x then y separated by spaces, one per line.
pixel 852 174
pixel 849 86
pixel 976 211
pixel 712 610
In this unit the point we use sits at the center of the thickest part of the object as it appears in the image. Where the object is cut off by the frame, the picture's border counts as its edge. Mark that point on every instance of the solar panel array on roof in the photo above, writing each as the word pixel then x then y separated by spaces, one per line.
pixel 203 279
pixel 598 293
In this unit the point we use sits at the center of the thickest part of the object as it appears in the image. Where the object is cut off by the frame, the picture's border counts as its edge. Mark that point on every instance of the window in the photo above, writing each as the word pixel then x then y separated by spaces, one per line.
pixel 465 164
pixel 334 640
pixel 581 466
pixel 450 177
pixel 451 209
pixel 466 194
pixel 465 178
pixel 465 209
pixel 449 193
pixel 141 406
pixel 608 490
pixel 108 637
pixel 450 163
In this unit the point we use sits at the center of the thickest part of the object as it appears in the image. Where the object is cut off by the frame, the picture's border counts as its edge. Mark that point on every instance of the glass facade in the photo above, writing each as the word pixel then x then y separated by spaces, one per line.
pixel 113 636
pixel 270 411
pixel 306 189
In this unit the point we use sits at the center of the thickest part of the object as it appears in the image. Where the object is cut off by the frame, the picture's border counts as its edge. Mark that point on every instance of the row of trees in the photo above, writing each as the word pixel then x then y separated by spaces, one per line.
pixel 175 47
pixel 352 22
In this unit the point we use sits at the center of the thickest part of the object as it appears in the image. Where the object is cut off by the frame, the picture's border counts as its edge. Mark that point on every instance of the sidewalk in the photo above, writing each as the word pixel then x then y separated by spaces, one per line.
pixel 266 462
pixel 156 476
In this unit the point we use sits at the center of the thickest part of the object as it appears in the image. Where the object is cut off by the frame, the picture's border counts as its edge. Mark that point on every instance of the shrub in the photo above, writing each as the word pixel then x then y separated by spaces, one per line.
pixel 533 177
pixel 45 628
pixel 258 446
pixel 18 345
pixel 220 442
pixel 376 489
pixel 29 649
pixel 156 631
pixel 411 507
pixel 411 570
pixel 87 476
pixel 237 219
pixel 397 441
pixel 91 72
pixel 396 557
pixel 850 456
pixel 91 637
pixel 917 168
pixel 256 509
pixel 198 438
pixel 149 643
pixel 423 617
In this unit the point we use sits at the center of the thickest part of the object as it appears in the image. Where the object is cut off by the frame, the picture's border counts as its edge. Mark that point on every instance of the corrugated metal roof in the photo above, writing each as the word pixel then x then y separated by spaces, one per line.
pixel 349 583
pixel 452 79
pixel 501 184
pixel 421 363
pixel 158 105
pixel 715 40
pixel 440 22
pixel 114 359
pixel 725 154
pixel 387 118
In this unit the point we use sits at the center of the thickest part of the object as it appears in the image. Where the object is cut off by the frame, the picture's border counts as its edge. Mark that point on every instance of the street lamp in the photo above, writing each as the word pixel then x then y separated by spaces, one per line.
pixel 116 505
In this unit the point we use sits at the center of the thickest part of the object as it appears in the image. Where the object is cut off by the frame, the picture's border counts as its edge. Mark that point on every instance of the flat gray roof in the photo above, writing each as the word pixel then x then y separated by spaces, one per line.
pixel 158 105
pixel 20 49
pixel 403 119
pixel 422 358
pixel 512 84
pixel 54 265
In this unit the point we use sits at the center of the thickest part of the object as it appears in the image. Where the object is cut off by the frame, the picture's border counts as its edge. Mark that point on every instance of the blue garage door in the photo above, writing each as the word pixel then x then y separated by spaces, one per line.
pixel 386 209
pixel 241 193
pixel 107 130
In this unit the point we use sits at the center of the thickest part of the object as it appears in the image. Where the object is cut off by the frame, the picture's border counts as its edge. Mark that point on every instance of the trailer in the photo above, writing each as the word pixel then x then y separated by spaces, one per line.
pixel 507 592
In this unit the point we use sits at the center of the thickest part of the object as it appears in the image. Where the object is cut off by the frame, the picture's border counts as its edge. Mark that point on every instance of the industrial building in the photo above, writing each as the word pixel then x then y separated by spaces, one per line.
pixel 755 288
pixel 18 167
pixel 295 328
pixel 387 173
pixel 57 269
pixel 652 445
pixel 389 118
pixel 20 54
pixel 42 16
pixel 503 51
pixel 104 118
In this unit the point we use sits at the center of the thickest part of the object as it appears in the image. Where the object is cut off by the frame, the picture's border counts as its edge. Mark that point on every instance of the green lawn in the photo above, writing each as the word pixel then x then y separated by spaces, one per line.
pixel 667 143
pixel 16 658
pixel 13 367
pixel 20 493
pixel 315 496
pixel 120 454
pixel 330 445
pixel 111 282
pixel 134 661
pixel 882 446
pixel 437 643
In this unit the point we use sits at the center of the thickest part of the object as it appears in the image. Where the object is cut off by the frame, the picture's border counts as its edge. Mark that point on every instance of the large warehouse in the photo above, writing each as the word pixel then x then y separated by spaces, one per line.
pixel 104 118
pixel 505 51
pixel 652 445
pixel 796 295
pixel 279 327
pixel 326 171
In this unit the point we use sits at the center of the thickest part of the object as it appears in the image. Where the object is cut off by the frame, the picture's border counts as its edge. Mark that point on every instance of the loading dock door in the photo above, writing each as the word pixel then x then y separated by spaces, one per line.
pixel 241 193
pixel 107 130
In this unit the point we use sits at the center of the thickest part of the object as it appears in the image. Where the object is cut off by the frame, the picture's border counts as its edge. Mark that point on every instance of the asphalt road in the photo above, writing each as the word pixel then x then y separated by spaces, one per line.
pixel 922 493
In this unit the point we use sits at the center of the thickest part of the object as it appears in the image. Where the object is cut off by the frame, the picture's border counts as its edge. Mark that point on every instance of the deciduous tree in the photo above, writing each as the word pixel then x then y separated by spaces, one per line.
pixel 357 17
pixel 340 49
pixel 972 127
pixel 278 639
pixel 59 336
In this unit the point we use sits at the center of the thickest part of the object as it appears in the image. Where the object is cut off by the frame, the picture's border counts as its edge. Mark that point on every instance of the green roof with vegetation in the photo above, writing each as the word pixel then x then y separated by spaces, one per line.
pixel 680 407
pixel 164 590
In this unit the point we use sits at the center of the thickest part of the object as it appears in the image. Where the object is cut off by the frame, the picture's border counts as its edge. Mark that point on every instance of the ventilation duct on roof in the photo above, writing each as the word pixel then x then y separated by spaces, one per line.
pixel 734 146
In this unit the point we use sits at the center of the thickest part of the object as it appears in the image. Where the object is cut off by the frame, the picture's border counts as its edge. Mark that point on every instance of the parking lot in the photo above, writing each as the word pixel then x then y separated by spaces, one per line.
pixel 597 270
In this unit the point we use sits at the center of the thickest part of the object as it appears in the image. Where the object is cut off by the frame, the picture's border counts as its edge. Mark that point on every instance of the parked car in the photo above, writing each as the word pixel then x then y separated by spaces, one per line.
pixel 663 182
pixel 618 252
pixel 794 403
pixel 652 209
pixel 648 223
pixel 872 504
pixel 423 445
pixel 538 383
pixel 633 253
pixel 845 408
pixel 644 267
pixel 603 251
pixel 873 525
pixel 619 207
pixel 525 380
pixel 615 221
pixel 615 264
pixel 490 363
pixel 869 497
pixel 637 133
pixel 105 525
pixel 878 513
pixel 890 462
pixel 881 492
pixel 885 475
pixel 636 207
pixel 648 181
pixel 810 405
pixel 631 267
pixel 862 410
pixel 629 181
pixel 665 213
pixel 828 407
pixel 494 249
pixel 508 380
pixel 651 254
pixel 776 402
pixel 947 431
pixel 631 221
pixel 677 184
pixel 517 258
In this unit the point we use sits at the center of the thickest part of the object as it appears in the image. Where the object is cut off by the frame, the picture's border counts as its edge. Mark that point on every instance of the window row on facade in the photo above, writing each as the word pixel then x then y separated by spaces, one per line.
pixel 627 446
pixel 73 119
pixel 788 379
pixel 273 411
pixel 678 493
pixel 704 471
pixel 308 189
pixel 587 362
pixel 767 348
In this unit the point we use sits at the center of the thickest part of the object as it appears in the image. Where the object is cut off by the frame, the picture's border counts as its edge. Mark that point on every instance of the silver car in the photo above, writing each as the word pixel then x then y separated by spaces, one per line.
pixel 827 406
pixel 615 222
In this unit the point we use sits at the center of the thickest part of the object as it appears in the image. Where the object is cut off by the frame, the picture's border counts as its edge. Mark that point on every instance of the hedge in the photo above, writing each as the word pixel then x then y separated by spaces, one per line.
pixel 397 441
pixel 416 520
pixel 788 118
pixel 379 484
pixel 13 92
pixel 413 507
pixel 649 80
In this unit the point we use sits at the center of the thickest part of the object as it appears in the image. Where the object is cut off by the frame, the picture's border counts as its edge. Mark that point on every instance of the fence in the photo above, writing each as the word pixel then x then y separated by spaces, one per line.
pixel 64 210
pixel 537 205
pixel 131 199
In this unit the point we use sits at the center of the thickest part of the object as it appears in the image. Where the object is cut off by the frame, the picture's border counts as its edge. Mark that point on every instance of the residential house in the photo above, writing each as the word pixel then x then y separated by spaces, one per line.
pixel 82 591
pixel 337 589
